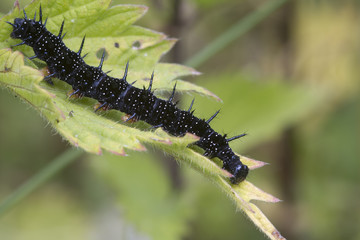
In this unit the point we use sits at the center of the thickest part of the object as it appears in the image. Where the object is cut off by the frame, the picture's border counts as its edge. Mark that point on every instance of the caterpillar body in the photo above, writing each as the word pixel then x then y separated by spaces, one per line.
pixel 118 94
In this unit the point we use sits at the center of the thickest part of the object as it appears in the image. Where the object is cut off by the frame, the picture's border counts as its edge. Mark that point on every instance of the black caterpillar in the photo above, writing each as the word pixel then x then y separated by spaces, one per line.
pixel 115 93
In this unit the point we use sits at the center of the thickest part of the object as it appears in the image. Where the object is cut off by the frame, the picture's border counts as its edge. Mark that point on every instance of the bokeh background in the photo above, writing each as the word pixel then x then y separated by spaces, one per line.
pixel 291 82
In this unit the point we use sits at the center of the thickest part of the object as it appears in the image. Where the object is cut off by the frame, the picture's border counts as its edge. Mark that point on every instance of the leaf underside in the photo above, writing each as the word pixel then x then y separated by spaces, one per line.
pixel 75 119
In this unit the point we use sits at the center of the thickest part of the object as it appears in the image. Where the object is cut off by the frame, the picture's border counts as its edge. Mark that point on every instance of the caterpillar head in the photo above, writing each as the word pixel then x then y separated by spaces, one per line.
pixel 240 173
pixel 238 170
pixel 20 27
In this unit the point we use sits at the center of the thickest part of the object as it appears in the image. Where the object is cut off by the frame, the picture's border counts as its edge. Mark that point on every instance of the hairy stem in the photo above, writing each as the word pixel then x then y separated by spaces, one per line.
pixel 237 30
pixel 44 175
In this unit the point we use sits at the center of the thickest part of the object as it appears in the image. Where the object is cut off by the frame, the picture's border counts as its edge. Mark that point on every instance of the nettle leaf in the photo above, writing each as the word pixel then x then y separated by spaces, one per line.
pixel 76 121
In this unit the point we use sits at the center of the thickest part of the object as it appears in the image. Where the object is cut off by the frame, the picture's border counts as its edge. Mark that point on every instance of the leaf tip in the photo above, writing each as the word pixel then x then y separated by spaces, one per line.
pixel 218 99
pixel 99 151
pixel 277 235
pixel 17 5
pixel 73 141
pixel 165 141
pixel 275 200
pixel 172 41
pixel 252 163
pixel 140 148
pixel 211 94
pixel 119 153
pixel 195 72
pixel 143 9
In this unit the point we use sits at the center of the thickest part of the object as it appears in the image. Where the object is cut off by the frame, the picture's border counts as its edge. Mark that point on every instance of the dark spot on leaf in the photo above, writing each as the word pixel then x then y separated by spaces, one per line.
pixel 57 120
pixel 136 45
pixel 99 53
pixel 116 45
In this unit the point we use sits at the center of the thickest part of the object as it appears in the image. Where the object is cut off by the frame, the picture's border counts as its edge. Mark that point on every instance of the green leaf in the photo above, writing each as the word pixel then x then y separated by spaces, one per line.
pixel 76 121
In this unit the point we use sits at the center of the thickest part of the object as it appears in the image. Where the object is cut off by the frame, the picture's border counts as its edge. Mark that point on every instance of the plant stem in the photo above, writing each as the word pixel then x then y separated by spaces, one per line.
pixel 237 30
pixel 45 174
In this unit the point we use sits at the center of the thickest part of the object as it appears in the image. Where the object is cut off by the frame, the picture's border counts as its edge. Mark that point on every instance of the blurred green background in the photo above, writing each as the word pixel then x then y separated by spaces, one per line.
pixel 291 83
